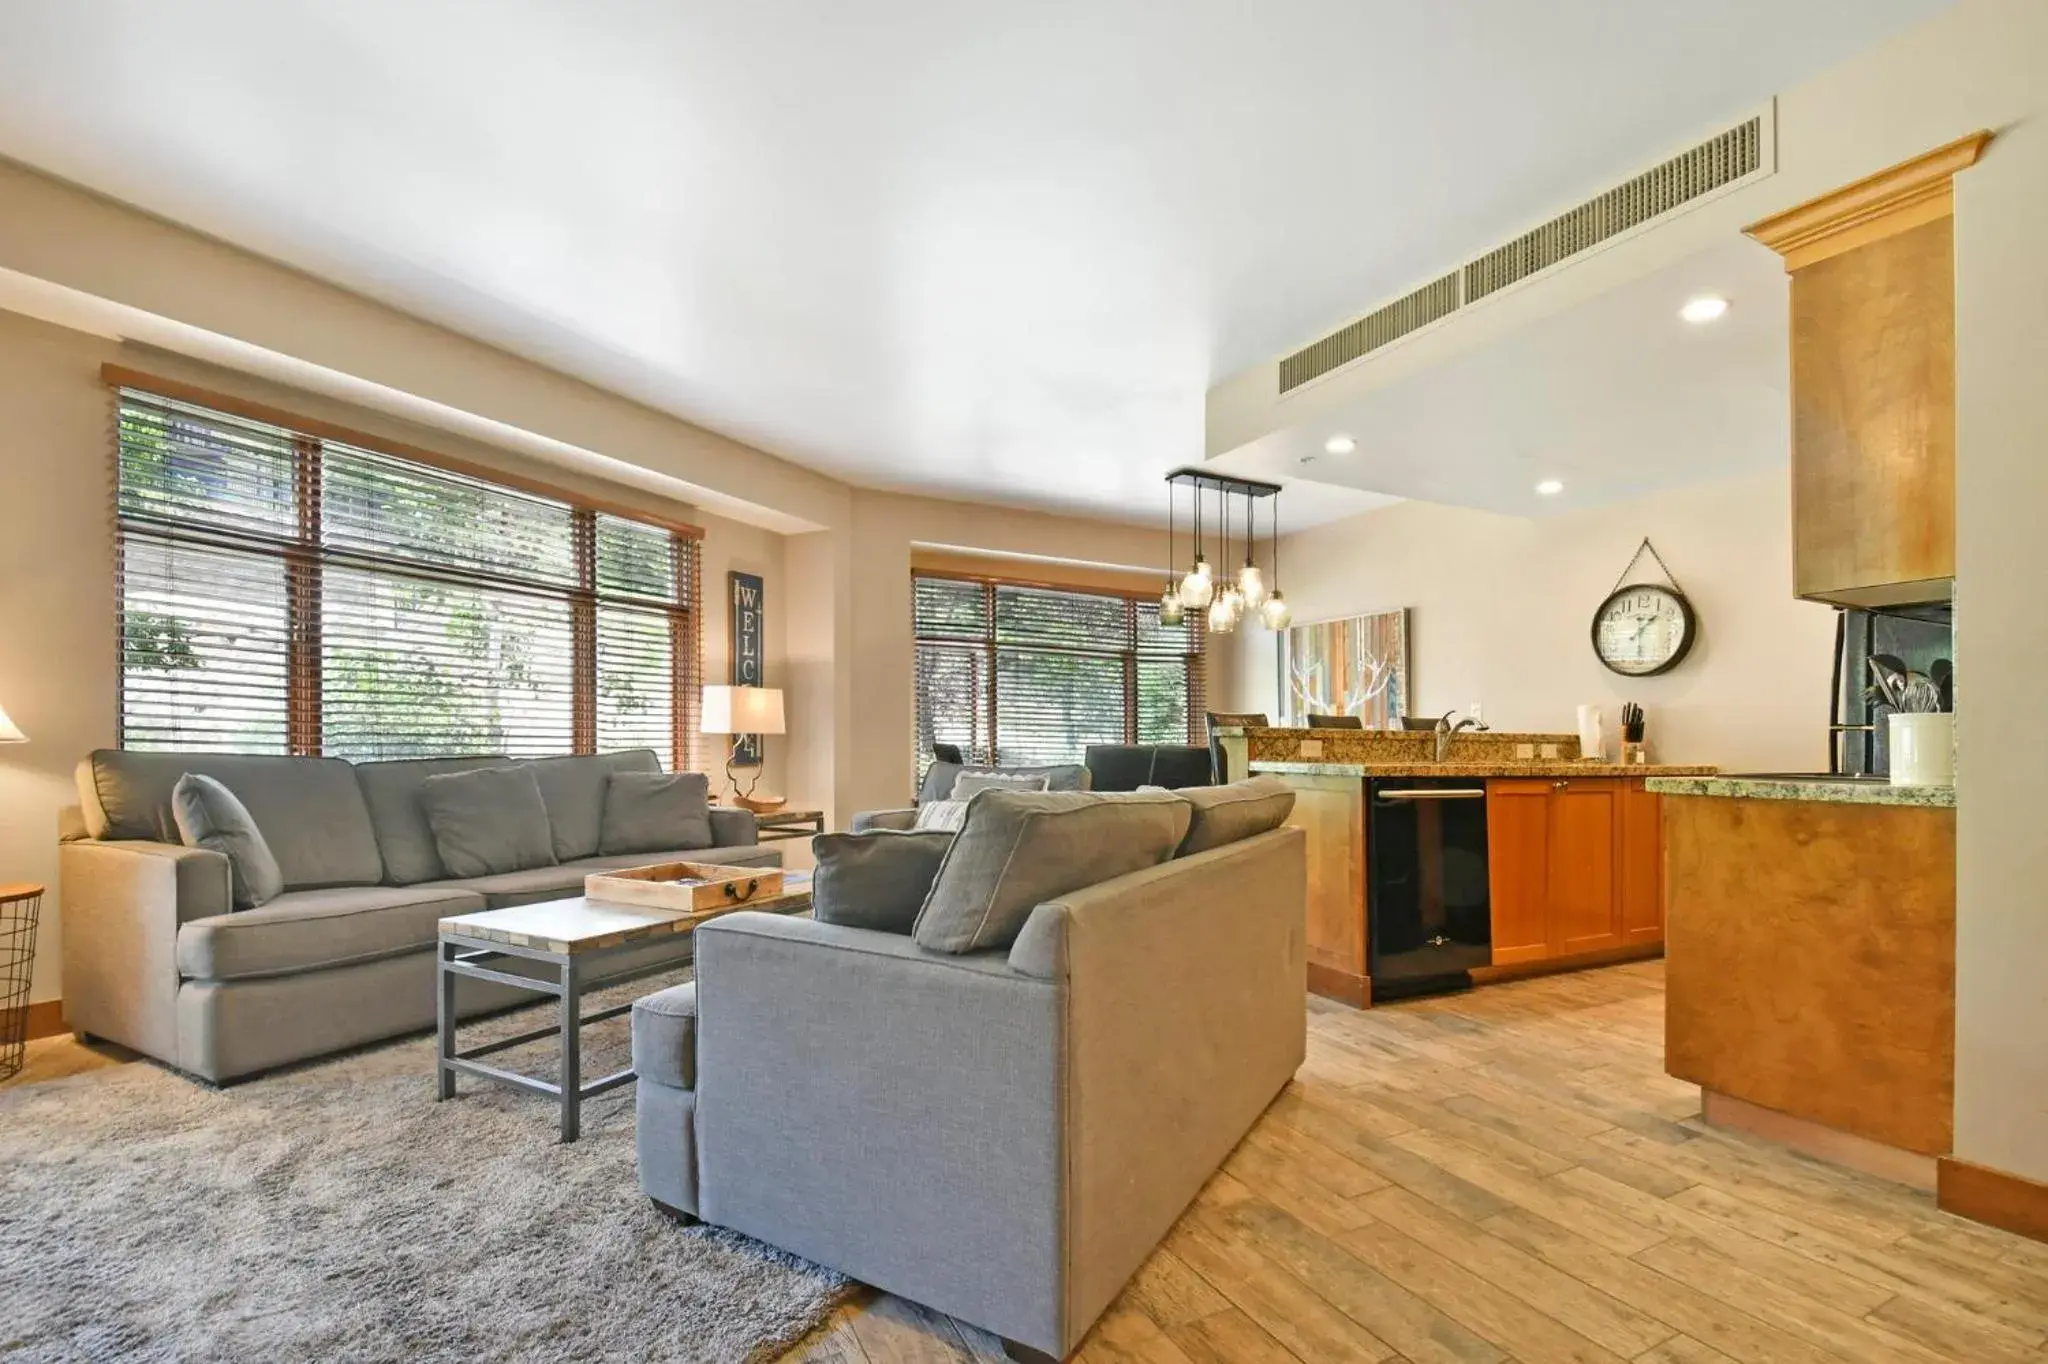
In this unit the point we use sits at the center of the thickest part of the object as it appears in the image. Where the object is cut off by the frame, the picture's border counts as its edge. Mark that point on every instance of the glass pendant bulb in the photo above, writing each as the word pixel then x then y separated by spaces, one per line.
pixel 1197 588
pixel 1252 584
pixel 1221 621
pixel 1276 612
pixel 1171 612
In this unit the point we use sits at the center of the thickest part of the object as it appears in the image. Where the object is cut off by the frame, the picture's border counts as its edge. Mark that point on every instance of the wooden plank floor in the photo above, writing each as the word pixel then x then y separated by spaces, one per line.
pixel 1509 1175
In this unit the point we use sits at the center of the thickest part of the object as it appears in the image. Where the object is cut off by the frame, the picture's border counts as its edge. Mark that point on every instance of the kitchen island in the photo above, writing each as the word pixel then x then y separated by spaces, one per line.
pixel 1569 874
pixel 1810 963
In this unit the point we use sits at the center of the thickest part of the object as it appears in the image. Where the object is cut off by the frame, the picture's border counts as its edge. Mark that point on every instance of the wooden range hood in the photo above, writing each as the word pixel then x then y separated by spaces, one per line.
pixel 1873 382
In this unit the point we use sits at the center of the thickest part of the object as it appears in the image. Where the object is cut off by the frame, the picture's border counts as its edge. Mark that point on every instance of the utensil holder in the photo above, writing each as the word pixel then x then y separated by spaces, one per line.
pixel 1922 749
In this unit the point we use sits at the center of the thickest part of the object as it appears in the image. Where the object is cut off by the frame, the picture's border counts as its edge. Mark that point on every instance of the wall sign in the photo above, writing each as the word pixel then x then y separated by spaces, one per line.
pixel 743 619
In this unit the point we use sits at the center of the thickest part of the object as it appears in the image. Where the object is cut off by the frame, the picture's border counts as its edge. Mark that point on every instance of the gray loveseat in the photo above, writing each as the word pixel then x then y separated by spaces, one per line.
pixel 1003 1135
pixel 155 959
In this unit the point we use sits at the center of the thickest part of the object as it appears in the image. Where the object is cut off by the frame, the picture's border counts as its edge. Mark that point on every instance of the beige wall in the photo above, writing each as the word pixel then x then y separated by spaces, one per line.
pixel 57 627
pixel 1501 609
pixel 2002 652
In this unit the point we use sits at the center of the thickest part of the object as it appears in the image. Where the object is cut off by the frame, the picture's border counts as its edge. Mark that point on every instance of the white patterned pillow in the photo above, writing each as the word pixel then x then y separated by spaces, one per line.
pixel 967 783
pixel 947 815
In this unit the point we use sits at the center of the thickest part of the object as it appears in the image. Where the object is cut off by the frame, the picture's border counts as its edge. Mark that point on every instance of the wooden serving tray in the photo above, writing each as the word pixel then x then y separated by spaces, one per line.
pixel 685 887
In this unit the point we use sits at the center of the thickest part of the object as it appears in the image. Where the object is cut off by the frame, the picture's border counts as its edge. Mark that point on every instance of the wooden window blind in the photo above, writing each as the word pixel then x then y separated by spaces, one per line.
pixel 1024 674
pixel 288 592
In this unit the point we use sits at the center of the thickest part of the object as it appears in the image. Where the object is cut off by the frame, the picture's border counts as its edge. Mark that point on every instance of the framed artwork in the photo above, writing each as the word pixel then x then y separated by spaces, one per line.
pixel 743 621
pixel 1354 666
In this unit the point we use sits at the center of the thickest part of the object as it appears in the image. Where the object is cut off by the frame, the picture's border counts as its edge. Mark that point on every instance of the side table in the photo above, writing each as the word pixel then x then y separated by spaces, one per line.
pixel 784 824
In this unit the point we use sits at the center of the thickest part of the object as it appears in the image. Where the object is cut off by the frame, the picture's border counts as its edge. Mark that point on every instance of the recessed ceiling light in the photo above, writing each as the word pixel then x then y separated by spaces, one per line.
pixel 1340 445
pixel 1705 308
pixel 1550 487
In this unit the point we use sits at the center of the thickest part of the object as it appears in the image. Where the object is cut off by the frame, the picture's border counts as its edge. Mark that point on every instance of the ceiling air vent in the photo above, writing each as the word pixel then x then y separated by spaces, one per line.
pixel 1716 162
pixel 1439 298
pixel 1692 175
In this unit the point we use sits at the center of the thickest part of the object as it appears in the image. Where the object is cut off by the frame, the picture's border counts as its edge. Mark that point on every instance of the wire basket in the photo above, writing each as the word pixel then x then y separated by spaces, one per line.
pixel 20 907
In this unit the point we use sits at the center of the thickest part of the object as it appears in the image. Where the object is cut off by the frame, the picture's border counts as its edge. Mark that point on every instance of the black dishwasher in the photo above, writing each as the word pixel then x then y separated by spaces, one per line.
pixel 1428 908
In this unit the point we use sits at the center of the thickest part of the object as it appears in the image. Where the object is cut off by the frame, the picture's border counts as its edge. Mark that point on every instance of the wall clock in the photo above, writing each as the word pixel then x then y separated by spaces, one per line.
pixel 1643 629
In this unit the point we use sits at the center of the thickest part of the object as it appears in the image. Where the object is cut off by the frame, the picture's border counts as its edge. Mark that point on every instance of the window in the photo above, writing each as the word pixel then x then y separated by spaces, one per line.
pixel 1025 675
pixel 282 592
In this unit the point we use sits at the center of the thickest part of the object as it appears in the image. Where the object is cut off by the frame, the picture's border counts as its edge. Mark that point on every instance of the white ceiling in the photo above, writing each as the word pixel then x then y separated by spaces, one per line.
pixel 978 248
pixel 1614 398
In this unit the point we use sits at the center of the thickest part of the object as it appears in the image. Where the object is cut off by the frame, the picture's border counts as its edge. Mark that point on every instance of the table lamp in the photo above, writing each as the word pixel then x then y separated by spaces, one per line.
pixel 10 733
pixel 738 711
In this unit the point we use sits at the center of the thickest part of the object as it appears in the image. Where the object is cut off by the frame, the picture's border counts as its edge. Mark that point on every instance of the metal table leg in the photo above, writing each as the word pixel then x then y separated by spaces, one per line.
pixel 444 1019
pixel 571 1079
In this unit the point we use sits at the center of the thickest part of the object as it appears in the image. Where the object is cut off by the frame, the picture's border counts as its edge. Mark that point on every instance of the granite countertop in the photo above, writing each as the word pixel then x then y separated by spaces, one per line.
pixel 1492 769
pixel 1813 789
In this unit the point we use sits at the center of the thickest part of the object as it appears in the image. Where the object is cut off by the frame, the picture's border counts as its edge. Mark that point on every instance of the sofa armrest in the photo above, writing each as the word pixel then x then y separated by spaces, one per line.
pixel 891 1112
pixel 123 903
pixel 885 819
pixel 732 827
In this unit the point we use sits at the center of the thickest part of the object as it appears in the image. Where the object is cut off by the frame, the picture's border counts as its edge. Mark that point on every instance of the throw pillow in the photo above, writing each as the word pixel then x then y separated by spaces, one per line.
pixel 1019 849
pixel 208 815
pixel 943 816
pixel 967 783
pixel 488 821
pixel 656 812
pixel 1225 814
pixel 875 880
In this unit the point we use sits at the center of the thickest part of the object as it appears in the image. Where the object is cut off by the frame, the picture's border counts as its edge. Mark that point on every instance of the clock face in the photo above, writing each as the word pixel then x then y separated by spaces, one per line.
pixel 1642 630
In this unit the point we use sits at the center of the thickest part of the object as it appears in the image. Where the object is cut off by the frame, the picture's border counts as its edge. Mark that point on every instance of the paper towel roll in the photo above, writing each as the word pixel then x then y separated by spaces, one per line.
pixel 1591 742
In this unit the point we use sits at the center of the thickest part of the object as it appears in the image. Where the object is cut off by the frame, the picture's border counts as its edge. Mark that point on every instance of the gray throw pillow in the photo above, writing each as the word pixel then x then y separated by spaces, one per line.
pixel 967 783
pixel 1019 849
pixel 655 812
pixel 875 880
pixel 488 821
pixel 1225 814
pixel 209 815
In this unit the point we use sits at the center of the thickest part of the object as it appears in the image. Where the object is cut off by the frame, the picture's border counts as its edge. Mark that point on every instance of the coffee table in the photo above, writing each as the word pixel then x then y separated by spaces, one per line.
pixel 574 938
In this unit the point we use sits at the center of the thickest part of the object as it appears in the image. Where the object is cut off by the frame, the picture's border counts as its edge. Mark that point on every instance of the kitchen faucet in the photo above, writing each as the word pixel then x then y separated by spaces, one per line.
pixel 1446 731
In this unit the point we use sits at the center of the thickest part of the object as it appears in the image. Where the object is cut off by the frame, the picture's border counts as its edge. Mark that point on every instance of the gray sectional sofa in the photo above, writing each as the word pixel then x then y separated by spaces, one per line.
pixel 156 959
pixel 1002 1133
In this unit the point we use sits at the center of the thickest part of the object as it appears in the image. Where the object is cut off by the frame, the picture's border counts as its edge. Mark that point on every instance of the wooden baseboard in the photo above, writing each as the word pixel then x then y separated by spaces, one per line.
pixel 45 1019
pixel 1342 986
pixel 2006 1201
pixel 1608 956
pixel 1817 1140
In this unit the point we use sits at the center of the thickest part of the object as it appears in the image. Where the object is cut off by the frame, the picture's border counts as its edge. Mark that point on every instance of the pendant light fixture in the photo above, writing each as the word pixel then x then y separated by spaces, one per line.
pixel 1171 612
pixel 1198 587
pixel 1224 610
pixel 1251 584
pixel 1276 613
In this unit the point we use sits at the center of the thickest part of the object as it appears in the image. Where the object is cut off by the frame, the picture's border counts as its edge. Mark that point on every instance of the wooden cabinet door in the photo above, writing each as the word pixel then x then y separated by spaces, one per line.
pixel 1518 869
pixel 1584 908
pixel 1642 864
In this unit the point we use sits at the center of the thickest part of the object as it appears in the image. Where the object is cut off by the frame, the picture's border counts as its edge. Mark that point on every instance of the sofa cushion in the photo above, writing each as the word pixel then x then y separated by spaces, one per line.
pixel 573 789
pixel 487 821
pixel 875 880
pixel 739 855
pixel 1019 848
pixel 391 790
pixel 209 816
pixel 311 810
pixel 665 1037
pixel 305 930
pixel 528 886
pixel 644 811
pixel 1225 814
pixel 940 776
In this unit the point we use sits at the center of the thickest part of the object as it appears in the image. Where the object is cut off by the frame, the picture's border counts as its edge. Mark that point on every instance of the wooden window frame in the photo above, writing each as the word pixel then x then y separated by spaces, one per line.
pixel 305 558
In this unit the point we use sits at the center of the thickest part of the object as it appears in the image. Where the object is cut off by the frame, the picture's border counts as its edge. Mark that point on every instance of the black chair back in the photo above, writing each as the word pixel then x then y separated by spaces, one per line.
pixel 1249 719
pixel 1335 722
pixel 1126 767
pixel 948 753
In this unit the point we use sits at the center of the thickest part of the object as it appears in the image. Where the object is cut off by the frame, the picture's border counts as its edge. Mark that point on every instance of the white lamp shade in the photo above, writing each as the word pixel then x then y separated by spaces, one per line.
pixel 742 710
pixel 9 732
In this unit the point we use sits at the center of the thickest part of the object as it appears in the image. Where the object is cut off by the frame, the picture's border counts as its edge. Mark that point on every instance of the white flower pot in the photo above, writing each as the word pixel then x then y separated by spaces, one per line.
pixel 1923 750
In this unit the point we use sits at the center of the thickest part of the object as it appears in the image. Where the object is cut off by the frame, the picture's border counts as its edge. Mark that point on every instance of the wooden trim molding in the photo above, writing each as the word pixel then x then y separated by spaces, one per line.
pixel 1878 206
pixel 45 1019
pixel 1821 1142
pixel 1342 986
pixel 2010 1202
pixel 119 376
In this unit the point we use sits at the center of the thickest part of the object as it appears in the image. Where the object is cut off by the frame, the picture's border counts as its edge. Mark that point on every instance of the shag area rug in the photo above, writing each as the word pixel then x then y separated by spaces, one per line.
pixel 336 1212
